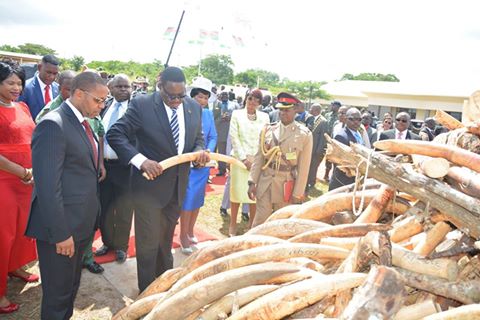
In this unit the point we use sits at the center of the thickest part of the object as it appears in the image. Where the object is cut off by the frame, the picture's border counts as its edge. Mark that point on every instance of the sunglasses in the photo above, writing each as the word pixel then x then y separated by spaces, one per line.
pixel 250 98
pixel 95 98
pixel 354 119
pixel 171 97
pixel 401 120
pixel 387 122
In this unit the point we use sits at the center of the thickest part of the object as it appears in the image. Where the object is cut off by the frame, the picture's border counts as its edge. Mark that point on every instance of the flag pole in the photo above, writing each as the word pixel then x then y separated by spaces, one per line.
pixel 174 39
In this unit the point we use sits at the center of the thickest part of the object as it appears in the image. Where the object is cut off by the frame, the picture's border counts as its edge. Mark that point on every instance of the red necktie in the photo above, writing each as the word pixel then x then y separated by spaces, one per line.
pixel 47 95
pixel 88 131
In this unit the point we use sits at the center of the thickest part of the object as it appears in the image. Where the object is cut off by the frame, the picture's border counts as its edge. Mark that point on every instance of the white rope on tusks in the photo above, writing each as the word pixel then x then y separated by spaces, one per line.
pixel 357 178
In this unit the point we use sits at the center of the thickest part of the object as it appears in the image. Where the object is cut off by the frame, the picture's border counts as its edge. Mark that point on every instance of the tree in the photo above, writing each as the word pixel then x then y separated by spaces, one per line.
pixel 217 68
pixel 254 77
pixel 77 62
pixel 371 77
pixel 29 48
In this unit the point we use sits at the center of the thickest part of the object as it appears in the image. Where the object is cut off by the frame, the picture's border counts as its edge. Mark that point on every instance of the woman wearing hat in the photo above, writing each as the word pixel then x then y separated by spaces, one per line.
pixel 245 128
pixel 195 194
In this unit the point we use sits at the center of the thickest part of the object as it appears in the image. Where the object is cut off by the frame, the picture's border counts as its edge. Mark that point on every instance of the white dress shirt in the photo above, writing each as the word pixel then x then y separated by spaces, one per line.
pixel 403 134
pixel 108 152
pixel 80 118
pixel 139 158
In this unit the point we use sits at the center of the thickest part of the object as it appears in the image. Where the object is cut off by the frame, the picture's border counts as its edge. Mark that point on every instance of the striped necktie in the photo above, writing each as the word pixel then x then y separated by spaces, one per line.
pixel 174 126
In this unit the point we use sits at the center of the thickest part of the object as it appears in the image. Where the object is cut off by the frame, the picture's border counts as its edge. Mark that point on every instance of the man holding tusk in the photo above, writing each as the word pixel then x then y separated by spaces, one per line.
pixel 165 124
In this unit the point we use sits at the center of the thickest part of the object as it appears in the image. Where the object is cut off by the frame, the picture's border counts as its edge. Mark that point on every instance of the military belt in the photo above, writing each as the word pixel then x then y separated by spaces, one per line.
pixel 281 167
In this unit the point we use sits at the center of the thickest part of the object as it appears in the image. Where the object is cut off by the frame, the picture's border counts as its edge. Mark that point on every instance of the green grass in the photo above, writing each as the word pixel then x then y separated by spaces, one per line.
pixel 210 220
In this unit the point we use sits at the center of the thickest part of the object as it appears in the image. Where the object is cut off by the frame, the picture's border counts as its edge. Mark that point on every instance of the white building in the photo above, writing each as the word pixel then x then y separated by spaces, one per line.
pixel 420 101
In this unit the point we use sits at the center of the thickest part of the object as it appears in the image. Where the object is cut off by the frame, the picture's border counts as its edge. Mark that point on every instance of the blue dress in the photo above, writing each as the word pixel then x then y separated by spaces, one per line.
pixel 197 180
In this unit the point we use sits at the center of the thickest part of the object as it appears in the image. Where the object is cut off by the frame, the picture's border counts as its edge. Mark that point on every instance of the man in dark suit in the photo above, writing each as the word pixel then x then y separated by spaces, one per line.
pixel 165 123
pixel 117 208
pixel 222 114
pixel 349 133
pixel 65 201
pixel 318 128
pixel 41 89
pixel 402 123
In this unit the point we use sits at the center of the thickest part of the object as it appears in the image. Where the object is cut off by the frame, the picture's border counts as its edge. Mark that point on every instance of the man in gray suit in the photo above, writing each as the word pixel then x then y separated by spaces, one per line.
pixel 165 124
pixel 65 201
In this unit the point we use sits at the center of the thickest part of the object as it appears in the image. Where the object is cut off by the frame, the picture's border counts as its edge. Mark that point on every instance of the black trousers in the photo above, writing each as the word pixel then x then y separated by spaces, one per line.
pixel 117 207
pixel 60 279
pixel 312 172
pixel 222 149
pixel 154 228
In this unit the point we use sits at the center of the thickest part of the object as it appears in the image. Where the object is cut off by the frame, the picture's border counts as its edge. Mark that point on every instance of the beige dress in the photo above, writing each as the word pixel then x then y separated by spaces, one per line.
pixel 244 135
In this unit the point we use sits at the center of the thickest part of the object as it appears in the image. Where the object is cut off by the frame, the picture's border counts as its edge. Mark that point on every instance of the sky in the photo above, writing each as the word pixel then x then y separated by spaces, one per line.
pixel 425 42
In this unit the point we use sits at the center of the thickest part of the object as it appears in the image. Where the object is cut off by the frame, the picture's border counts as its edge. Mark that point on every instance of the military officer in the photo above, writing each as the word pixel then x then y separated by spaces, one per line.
pixel 279 173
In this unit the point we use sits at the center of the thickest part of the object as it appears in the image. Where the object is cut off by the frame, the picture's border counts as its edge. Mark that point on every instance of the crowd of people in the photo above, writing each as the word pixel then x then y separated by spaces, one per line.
pixel 75 150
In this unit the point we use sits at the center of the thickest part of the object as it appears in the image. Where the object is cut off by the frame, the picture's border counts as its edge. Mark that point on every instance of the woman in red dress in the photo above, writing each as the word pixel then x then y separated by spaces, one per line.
pixel 16 127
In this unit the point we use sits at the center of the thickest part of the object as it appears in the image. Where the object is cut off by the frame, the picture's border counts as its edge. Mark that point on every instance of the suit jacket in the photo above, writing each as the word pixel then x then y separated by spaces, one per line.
pixel 65 198
pixel 32 95
pixel 222 124
pixel 319 128
pixel 390 134
pixel 147 120
pixel 339 178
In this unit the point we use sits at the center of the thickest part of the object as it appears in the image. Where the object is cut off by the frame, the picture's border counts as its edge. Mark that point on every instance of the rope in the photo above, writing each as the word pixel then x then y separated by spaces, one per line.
pixel 274 153
pixel 357 178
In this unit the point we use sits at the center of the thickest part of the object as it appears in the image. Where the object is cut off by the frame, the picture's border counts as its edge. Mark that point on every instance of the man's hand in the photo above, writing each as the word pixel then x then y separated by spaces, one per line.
pixel 66 247
pixel 202 158
pixel 102 172
pixel 247 164
pixel 252 192
pixel 152 168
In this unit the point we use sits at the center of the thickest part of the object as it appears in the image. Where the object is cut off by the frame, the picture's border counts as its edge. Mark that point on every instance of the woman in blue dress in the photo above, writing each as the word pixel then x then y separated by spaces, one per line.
pixel 195 195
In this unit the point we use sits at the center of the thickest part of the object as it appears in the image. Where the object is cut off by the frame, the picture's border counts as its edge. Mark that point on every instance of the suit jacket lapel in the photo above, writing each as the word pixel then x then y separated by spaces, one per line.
pixel 79 128
pixel 162 115
pixel 38 92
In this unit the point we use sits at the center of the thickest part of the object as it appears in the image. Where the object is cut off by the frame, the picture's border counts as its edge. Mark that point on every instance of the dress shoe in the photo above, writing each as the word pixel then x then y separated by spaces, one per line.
pixel 103 250
pixel 245 216
pixel 12 307
pixel 223 212
pixel 30 278
pixel 186 250
pixel 120 256
pixel 94 267
pixel 193 239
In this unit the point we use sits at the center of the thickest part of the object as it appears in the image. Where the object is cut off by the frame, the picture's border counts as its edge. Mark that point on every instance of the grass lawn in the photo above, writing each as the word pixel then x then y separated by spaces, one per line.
pixel 210 220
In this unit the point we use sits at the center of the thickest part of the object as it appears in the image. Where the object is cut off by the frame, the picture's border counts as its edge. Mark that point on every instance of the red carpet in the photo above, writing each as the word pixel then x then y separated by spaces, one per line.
pixel 216 187
pixel 97 243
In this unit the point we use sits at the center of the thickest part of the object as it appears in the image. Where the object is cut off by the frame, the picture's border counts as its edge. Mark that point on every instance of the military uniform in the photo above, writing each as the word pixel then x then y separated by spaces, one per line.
pixel 271 169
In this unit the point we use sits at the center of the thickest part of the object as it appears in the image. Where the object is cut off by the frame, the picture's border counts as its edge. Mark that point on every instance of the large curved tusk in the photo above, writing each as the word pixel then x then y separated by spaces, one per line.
pixel 192 156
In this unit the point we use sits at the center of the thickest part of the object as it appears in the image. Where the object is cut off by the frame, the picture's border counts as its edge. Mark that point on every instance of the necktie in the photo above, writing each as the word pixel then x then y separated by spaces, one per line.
pixel 174 126
pixel 88 131
pixel 358 137
pixel 114 116
pixel 47 95
pixel 399 135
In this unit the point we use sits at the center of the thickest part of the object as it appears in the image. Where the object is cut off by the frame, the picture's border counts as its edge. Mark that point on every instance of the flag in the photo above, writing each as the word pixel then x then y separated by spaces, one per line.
pixel 203 34
pixel 169 33
pixel 214 35
pixel 238 41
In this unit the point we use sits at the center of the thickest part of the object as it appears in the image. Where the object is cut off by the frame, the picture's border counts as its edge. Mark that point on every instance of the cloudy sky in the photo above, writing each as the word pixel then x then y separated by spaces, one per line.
pixel 435 42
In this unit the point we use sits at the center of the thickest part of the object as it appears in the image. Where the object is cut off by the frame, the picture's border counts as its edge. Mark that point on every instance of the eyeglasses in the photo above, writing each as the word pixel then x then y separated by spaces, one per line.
pixel 171 97
pixel 354 119
pixel 401 120
pixel 95 98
